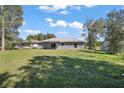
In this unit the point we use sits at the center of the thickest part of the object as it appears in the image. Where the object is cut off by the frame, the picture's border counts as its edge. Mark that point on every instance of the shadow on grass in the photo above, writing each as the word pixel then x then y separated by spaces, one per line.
pixel 3 77
pixel 4 80
pixel 62 71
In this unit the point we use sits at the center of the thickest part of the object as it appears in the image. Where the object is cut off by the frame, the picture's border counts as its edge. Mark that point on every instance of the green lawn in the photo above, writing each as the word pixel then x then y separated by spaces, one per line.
pixel 60 68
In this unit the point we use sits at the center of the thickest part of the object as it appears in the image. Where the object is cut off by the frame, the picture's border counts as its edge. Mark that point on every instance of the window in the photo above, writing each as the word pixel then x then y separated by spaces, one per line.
pixel 75 45
pixel 62 44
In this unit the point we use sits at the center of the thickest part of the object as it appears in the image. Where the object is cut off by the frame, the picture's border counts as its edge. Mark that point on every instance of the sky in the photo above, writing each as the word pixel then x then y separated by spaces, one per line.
pixel 62 20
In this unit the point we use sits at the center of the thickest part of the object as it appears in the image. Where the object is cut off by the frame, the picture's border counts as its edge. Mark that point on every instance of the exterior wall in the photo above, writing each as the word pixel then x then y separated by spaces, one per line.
pixel 58 46
pixel 70 45
pixel 25 45
pixel 46 45
pixel 36 45
pixel 66 45
pixel 31 45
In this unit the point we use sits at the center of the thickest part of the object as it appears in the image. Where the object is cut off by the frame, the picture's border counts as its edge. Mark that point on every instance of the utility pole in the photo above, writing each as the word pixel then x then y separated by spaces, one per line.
pixel 3 33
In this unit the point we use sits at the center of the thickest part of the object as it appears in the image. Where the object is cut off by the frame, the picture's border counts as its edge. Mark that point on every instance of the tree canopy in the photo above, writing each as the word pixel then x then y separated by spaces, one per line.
pixel 110 28
pixel 11 18
pixel 40 36
pixel 115 30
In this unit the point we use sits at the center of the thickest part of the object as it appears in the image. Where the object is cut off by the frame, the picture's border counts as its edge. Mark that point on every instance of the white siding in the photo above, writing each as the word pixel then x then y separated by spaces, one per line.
pixel 65 45
pixel 79 47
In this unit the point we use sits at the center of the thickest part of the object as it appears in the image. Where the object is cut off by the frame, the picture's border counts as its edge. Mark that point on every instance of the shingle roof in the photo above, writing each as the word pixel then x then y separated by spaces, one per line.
pixel 63 40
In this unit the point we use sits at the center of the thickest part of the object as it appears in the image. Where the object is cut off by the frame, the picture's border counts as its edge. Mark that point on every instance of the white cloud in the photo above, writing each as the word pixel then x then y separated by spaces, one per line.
pixel 19 30
pixel 32 31
pixel 59 23
pixel 76 7
pixel 61 9
pixel 52 8
pixel 52 24
pixel 76 24
pixel 24 23
pixel 64 12
pixel 44 7
pixel 62 32
pixel 48 19
pixel 62 23
pixel 89 6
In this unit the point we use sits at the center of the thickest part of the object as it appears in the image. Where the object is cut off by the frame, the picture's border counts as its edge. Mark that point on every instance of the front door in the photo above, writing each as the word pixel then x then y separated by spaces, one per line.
pixel 75 45
pixel 53 45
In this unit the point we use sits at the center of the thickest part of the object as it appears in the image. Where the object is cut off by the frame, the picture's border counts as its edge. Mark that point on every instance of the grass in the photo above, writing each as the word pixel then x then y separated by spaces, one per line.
pixel 60 68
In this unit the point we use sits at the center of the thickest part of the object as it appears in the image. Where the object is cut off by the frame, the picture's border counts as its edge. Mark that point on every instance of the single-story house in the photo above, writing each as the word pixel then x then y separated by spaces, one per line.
pixel 53 43
pixel 63 43
pixel 30 44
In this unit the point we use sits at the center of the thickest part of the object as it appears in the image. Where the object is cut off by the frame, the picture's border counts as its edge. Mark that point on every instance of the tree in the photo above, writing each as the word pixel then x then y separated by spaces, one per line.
pixel 40 37
pixel 94 28
pixel 90 38
pixel 35 37
pixel 10 21
pixel 2 26
pixel 30 37
pixel 115 30
pixel 48 36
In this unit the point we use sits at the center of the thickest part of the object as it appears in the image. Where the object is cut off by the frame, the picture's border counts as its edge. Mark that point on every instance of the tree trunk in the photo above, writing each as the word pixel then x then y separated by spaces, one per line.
pixel 3 34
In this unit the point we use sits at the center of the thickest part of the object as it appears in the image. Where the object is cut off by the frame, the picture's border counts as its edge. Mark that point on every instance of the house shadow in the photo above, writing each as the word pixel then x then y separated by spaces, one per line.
pixel 63 71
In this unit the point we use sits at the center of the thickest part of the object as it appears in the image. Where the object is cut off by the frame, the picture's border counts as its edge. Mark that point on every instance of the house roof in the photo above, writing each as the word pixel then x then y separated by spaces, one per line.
pixel 63 40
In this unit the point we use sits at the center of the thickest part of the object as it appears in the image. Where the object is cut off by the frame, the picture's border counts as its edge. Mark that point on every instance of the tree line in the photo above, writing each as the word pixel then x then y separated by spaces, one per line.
pixel 111 29
pixel 40 36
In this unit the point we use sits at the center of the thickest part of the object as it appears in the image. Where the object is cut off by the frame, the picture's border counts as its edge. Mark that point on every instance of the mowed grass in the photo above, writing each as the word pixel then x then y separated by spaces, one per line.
pixel 60 68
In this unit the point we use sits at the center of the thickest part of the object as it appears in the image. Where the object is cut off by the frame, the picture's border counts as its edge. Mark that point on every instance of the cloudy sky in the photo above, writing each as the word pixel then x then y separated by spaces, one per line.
pixel 61 20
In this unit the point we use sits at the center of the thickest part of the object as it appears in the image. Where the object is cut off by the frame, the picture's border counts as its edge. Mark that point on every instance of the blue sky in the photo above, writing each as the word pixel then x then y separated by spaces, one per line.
pixel 61 20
